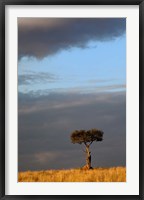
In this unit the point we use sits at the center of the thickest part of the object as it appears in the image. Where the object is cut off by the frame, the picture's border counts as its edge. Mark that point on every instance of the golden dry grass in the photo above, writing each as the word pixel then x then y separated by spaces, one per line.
pixel 114 174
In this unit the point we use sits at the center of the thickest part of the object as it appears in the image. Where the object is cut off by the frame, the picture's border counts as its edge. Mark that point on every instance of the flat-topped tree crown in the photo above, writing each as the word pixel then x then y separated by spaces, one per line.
pixel 82 136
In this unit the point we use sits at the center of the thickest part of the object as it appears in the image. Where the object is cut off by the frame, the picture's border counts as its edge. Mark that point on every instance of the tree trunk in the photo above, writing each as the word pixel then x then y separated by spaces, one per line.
pixel 88 157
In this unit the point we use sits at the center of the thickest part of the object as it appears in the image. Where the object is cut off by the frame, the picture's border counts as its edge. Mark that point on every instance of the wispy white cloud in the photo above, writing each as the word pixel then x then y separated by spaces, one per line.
pixel 86 89
pixel 33 77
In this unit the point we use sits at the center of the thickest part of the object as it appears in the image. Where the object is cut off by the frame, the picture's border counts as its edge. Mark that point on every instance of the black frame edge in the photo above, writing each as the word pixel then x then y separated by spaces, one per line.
pixel 2 101
pixel 2 94
pixel 141 98
pixel 72 2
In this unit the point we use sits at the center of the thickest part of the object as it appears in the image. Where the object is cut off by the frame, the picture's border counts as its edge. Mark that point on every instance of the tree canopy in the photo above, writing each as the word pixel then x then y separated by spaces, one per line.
pixel 87 137
pixel 83 136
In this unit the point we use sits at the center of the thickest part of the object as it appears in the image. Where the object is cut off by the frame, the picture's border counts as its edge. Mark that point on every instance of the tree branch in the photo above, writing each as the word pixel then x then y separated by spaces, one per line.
pixel 90 143
pixel 85 143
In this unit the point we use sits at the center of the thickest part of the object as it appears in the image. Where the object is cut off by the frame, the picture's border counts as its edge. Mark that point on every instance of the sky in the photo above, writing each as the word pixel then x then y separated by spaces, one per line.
pixel 71 76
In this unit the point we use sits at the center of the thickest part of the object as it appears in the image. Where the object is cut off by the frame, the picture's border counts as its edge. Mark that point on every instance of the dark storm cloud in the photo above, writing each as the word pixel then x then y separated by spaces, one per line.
pixel 45 124
pixel 40 37
pixel 41 77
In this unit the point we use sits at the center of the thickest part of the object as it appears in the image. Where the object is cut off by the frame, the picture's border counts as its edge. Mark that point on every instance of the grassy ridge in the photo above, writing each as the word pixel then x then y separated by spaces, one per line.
pixel 114 174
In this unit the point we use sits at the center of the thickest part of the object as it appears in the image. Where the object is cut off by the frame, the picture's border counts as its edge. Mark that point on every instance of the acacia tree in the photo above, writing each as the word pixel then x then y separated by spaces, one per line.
pixel 87 138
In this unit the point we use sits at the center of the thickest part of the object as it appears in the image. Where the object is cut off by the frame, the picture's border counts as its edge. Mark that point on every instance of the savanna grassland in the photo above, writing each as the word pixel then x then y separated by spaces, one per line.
pixel 113 174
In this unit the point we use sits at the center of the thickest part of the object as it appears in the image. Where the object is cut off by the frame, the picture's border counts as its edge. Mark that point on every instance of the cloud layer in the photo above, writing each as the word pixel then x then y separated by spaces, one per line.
pixel 32 77
pixel 45 124
pixel 40 37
